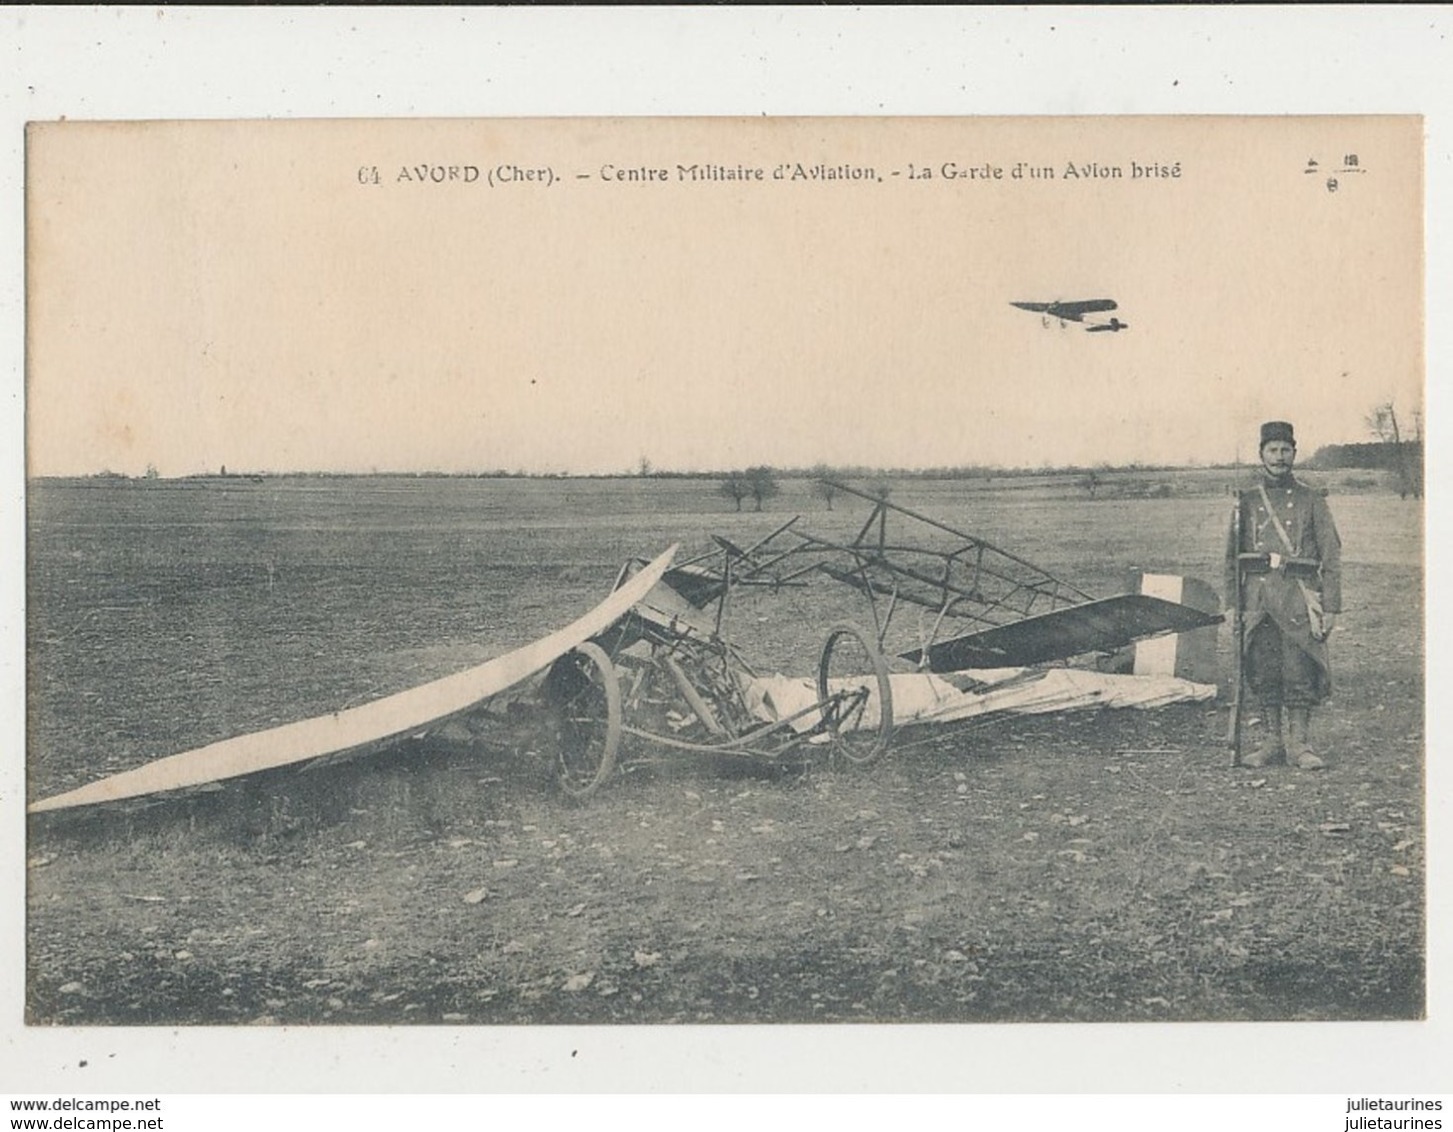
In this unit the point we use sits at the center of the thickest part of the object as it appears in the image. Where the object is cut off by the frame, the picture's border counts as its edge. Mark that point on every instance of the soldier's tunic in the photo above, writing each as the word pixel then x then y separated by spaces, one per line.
pixel 1277 623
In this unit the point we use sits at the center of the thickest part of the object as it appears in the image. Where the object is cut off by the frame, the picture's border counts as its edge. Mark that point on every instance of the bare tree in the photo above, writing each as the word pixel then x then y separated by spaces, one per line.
pixel 1407 454
pixel 735 488
pixel 822 484
pixel 1382 422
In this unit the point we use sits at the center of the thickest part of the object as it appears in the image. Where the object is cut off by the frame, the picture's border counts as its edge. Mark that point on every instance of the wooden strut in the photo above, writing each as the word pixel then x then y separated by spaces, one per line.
pixel 1041 586
pixel 967 595
pixel 953 607
pixel 884 505
pixel 691 695
pixel 739 743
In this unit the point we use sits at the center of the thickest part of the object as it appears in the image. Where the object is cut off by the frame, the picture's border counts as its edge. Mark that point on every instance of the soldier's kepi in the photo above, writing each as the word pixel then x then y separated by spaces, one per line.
pixel 1290 558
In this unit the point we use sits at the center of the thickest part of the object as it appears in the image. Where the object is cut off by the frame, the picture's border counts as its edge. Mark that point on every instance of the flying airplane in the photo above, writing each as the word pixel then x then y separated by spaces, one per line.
pixel 1113 325
pixel 1074 311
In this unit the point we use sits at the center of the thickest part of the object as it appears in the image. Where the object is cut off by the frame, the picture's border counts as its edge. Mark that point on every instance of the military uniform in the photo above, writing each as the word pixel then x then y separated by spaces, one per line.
pixel 1271 592
pixel 1284 653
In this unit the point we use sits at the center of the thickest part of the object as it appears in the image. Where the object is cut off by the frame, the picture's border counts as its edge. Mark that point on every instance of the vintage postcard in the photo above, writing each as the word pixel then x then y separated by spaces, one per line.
pixel 497 572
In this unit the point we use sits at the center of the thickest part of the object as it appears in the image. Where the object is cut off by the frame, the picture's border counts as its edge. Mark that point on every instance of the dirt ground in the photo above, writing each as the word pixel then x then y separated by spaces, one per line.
pixel 1105 866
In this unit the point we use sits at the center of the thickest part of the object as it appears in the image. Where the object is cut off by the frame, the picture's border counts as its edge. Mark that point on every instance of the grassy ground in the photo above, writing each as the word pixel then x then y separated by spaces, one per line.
pixel 1097 866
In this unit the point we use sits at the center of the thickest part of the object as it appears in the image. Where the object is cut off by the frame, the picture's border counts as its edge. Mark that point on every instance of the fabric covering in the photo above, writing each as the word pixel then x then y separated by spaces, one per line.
pixel 929 698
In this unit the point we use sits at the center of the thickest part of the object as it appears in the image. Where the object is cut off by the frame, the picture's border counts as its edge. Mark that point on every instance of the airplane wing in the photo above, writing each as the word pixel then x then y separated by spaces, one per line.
pixel 368 726
pixel 1075 311
pixel 697 584
pixel 1093 626
pixel 1072 310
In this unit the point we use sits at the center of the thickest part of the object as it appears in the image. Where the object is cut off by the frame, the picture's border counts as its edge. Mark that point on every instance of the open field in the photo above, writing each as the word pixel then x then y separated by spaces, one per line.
pixel 1098 866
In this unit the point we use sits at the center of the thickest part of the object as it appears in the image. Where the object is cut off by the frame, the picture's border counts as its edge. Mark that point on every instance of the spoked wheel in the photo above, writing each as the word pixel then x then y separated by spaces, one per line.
pixel 584 698
pixel 852 686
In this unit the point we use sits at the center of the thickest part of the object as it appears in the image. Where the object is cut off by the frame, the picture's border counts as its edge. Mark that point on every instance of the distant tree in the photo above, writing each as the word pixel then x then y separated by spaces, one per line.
pixel 822 484
pixel 735 488
pixel 644 467
pixel 1383 423
pixel 762 484
pixel 151 472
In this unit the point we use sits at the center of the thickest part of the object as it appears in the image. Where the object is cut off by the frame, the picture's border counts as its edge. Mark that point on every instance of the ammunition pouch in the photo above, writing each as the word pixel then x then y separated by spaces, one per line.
pixel 1301 569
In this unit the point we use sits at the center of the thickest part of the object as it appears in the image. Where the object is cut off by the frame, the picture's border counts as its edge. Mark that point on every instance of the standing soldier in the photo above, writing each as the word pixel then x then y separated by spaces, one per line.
pixel 1290 557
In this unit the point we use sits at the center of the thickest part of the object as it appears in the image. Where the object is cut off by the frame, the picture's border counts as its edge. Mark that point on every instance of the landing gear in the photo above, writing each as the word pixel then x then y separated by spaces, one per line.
pixel 584 698
pixel 856 697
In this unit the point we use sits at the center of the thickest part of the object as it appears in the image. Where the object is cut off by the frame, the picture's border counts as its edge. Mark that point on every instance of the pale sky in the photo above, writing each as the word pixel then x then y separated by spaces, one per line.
pixel 219 293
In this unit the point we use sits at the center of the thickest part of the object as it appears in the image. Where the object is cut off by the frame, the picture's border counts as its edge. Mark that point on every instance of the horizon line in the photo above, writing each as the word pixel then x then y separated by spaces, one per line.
pixel 963 471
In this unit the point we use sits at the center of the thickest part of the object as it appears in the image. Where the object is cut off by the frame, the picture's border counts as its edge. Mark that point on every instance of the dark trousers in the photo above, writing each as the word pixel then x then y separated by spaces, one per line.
pixel 1278 672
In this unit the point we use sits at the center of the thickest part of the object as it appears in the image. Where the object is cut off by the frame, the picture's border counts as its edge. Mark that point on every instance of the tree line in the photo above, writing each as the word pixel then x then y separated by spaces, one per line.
pixel 1398 449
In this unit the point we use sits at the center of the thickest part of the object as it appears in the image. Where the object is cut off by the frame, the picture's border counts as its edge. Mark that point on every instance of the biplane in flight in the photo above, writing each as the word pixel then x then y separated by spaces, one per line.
pixel 1075 311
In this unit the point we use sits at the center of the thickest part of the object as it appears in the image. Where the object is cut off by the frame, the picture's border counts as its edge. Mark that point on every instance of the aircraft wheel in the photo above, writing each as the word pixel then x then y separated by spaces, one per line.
pixel 584 698
pixel 860 721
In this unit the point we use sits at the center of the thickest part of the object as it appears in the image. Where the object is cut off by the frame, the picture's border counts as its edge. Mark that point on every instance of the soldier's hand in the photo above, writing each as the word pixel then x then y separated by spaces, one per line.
pixel 1329 622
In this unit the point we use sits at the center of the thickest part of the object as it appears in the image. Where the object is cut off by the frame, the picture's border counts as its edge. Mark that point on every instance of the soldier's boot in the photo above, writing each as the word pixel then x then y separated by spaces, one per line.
pixel 1271 751
pixel 1300 724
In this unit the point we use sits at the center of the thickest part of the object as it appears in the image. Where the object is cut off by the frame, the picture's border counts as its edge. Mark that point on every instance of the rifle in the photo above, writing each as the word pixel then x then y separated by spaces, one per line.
pixel 1238 640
